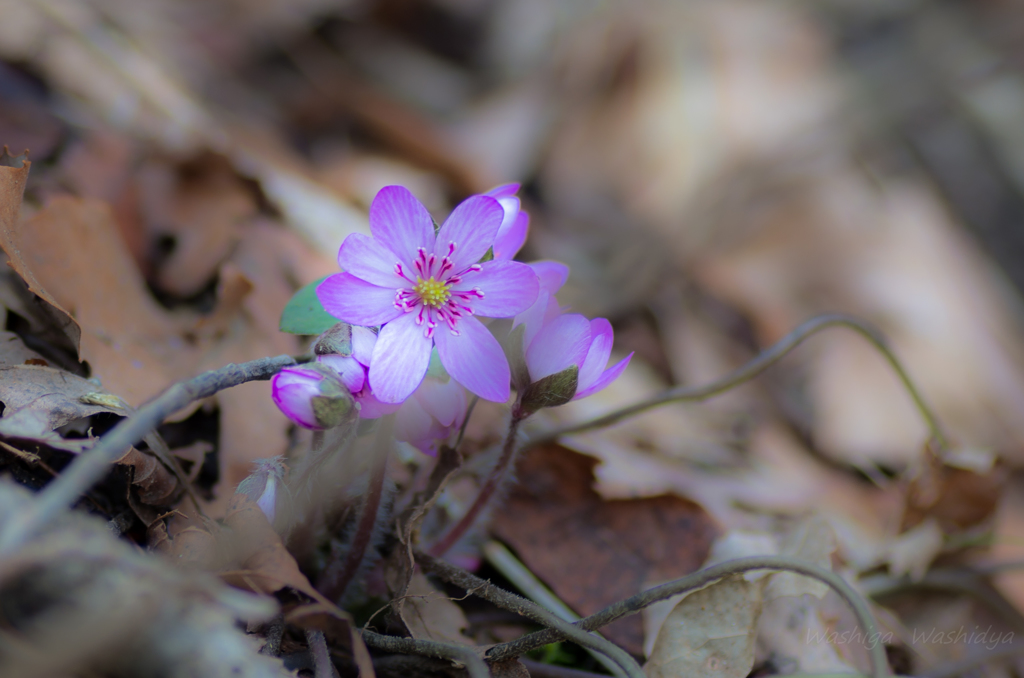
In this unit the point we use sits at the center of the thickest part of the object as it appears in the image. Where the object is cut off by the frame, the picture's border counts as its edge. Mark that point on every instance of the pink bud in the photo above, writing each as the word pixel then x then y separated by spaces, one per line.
pixel 313 396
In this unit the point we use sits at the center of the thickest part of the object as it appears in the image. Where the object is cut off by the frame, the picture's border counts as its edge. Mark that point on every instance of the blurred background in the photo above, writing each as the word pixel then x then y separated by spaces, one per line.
pixel 714 172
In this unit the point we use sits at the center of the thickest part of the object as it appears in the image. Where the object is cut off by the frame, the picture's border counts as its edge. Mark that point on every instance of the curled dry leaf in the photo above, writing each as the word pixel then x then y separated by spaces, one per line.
pixel 244 549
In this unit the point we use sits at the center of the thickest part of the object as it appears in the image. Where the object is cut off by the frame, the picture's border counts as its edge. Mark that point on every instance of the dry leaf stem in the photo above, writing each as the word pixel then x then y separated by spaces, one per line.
pixel 89 467
pixel 756 366
pixel 697 580
pixel 463 654
pixel 323 667
pixel 508 453
pixel 529 609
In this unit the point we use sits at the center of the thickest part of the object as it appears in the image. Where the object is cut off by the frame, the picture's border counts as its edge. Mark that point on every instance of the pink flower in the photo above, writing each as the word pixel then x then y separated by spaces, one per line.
pixel 353 368
pixel 514 223
pixel 554 342
pixel 429 416
pixel 434 409
pixel 311 396
pixel 425 289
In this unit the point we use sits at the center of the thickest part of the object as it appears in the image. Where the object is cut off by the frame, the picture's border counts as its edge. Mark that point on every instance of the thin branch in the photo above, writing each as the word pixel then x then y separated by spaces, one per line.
pixel 756 366
pixel 517 573
pixel 465 421
pixel 323 667
pixel 89 467
pixel 430 648
pixel 508 453
pixel 697 580
pixel 530 610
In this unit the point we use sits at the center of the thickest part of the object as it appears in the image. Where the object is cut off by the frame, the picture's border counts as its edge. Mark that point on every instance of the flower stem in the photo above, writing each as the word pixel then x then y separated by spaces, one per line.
pixel 756 366
pixel 487 491
pixel 336 580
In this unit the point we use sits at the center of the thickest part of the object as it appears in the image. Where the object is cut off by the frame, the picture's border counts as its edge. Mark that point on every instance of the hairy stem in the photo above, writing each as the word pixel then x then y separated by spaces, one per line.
pixel 697 580
pixel 475 666
pixel 530 610
pixel 756 366
pixel 336 580
pixel 487 491
pixel 89 467
pixel 323 667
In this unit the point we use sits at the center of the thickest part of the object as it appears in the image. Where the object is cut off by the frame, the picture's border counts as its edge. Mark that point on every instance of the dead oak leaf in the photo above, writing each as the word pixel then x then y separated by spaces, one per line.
pixel 593 552
pixel 13 176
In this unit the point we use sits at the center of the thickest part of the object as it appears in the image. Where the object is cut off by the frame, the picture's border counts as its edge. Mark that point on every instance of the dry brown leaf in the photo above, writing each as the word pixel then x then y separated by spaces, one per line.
pixel 113 609
pixel 13 175
pixel 710 633
pixel 429 614
pixel 14 352
pixel 593 552
pixel 38 400
pixel 73 249
pixel 253 556
pixel 202 211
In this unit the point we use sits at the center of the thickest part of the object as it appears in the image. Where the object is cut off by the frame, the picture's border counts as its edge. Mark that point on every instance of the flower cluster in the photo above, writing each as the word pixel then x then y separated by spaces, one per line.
pixel 410 297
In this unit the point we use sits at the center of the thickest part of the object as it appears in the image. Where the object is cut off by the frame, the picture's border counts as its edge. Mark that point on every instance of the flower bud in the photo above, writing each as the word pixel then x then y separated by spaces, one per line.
pixel 313 396
pixel 266 487
pixel 550 391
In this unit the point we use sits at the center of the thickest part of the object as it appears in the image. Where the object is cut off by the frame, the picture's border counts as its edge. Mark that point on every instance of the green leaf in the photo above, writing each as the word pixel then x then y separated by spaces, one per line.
pixel 303 314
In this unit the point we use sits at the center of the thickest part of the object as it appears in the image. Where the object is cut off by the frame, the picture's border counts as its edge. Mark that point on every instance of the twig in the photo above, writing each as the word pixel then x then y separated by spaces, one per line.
pixel 756 366
pixel 530 610
pixel 516 572
pixel 487 491
pixel 465 421
pixel 89 467
pixel 697 580
pixel 430 648
pixel 323 667
pixel 336 580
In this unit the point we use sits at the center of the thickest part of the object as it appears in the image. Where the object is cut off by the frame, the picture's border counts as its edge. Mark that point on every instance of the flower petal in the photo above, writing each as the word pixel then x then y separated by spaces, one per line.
pixel 371 407
pixel 609 375
pixel 558 345
pixel 401 223
pixel 508 288
pixel 601 338
pixel 471 227
pixel 352 373
pixel 356 301
pixel 503 191
pixel 363 340
pixel 415 426
pixel 510 241
pixel 552 274
pixel 366 258
pixel 292 391
pixel 400 359
pixel 445 402
pixel 474 359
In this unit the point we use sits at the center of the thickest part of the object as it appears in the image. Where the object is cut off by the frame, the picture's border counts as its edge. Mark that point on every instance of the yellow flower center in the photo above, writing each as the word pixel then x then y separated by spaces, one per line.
pixel 432 292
